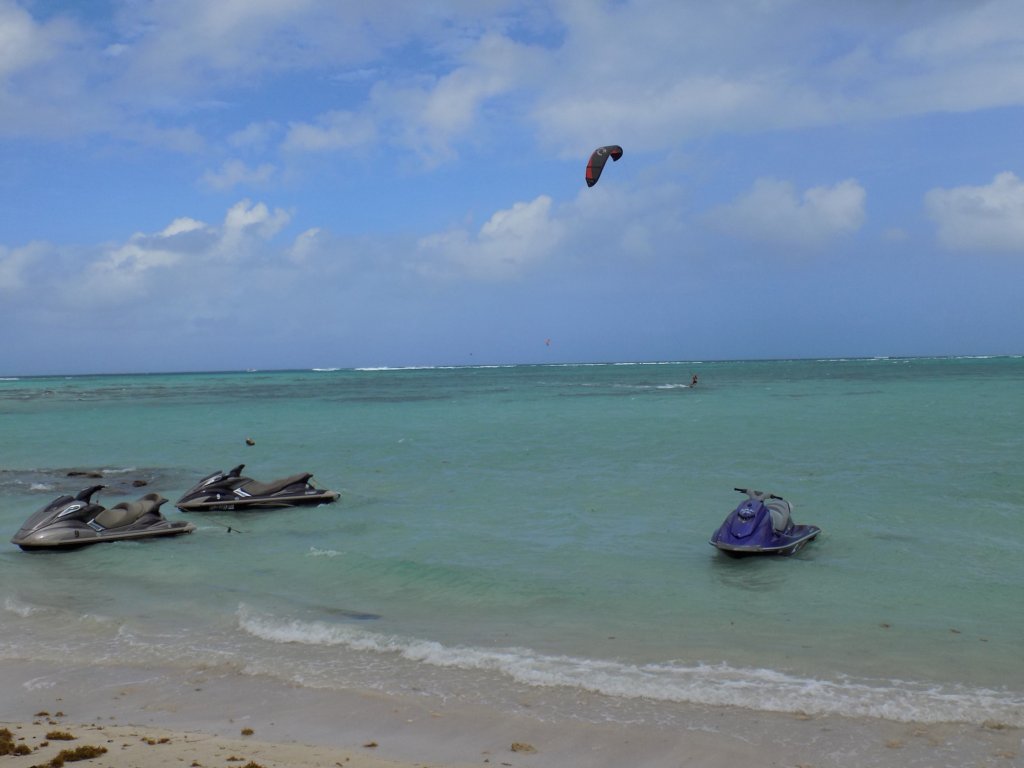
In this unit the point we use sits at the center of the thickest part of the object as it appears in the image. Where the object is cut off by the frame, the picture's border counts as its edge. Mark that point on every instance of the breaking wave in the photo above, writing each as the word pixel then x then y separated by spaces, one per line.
pixel 707 684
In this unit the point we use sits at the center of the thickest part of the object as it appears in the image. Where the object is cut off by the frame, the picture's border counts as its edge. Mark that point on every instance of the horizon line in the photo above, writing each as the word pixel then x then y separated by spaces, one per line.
pixel 455 366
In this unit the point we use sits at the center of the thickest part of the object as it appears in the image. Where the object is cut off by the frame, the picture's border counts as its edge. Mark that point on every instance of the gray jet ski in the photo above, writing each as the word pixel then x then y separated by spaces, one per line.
pixel 68 522
pixel 234 492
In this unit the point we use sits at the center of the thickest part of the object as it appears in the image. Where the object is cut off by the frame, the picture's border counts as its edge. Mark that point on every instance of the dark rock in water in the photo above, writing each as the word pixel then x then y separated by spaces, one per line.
pixel 70 480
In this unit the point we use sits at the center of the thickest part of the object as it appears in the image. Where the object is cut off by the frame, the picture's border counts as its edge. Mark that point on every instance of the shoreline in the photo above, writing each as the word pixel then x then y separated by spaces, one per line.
pixel 153 717
pixel 206 711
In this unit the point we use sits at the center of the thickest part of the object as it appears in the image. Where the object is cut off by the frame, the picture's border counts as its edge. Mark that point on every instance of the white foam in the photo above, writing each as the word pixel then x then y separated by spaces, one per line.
pixel 402 368
pixel 314 552
pixel 16 606
pixel 716 685
pixel 38 683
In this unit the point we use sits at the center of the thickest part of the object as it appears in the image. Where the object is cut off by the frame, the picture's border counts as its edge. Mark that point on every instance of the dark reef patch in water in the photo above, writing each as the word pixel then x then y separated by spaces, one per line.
pixel 56 481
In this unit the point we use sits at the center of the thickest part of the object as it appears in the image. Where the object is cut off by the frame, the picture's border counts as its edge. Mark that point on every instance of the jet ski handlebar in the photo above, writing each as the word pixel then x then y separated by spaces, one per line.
pixel 86 495
pixel 757 494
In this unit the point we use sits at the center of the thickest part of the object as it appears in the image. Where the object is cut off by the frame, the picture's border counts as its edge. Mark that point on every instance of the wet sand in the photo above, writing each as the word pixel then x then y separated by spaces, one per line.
pixel 154 717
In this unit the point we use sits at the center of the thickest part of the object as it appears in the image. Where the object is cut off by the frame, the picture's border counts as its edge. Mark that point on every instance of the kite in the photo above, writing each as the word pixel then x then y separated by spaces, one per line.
pixel 598 159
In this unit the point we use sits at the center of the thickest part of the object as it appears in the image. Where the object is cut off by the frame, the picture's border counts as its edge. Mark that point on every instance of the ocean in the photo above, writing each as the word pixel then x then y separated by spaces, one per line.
pixel 539 533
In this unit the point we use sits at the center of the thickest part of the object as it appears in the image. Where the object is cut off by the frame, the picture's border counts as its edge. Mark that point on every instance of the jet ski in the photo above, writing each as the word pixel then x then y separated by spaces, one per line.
pixel 233 492
pixel 762 525
pixel 68 522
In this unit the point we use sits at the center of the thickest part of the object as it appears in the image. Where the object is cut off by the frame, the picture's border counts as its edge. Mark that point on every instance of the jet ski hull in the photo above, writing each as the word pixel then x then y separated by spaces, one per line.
pixel 800 537
pixel 235 504
pixel 74 538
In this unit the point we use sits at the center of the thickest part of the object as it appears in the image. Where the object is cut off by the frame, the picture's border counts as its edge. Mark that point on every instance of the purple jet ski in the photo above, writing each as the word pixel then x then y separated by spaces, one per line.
pixel 762 525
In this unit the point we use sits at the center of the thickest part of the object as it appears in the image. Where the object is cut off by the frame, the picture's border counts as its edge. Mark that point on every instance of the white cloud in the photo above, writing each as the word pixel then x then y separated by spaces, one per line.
pixel 182 225
pixel 136 256
pixel 305 245
pixel 425 114
pixel 750 67
pixel 988 218
pixel 244 216
pixel 245 225
pixel 771 212
pixel 23 42
pixel 116 49
pixel 971 28
pixel 122 272
pixel 511 241
pixel 431 116
pixel 332 131
pixel 235 172
pixel 13 264
pixel 148 263
pixel 255 136
pixel 438 70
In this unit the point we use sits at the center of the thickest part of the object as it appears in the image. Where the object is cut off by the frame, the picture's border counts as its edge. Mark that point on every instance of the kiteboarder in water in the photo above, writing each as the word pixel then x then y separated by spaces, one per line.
pixel 693 381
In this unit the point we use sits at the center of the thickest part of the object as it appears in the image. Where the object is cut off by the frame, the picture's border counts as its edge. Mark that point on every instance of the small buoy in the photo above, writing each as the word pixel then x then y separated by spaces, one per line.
pixel 250 441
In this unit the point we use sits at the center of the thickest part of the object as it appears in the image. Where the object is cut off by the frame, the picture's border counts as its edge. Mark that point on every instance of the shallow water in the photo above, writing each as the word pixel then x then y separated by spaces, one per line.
pixel 542 531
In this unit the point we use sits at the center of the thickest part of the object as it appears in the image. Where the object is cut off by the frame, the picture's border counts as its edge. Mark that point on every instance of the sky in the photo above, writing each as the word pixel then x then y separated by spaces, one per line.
pixel 262 184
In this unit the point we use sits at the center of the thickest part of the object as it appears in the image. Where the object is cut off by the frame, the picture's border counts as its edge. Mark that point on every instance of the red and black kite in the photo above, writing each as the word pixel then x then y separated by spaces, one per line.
pixel 598 159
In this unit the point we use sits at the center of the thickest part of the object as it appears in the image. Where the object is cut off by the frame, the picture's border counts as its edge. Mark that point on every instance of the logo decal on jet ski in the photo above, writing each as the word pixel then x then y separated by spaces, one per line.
pixel 69 510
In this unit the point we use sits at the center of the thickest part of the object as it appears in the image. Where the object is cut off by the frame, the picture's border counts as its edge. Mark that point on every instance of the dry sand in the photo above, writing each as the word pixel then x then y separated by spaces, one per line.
pixel 219 719
pixel 126 746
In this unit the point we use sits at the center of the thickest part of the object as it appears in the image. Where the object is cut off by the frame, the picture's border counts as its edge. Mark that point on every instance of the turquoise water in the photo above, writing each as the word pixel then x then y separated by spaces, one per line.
pixel 541 532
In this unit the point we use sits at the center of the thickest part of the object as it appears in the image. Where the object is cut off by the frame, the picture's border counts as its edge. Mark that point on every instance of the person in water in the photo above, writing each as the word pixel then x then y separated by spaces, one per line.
pixel 693 381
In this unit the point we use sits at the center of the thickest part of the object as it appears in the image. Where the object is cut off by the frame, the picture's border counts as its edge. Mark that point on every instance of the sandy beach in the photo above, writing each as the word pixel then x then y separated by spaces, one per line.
pixel 47 739
pixel 147 718
pixel 151 717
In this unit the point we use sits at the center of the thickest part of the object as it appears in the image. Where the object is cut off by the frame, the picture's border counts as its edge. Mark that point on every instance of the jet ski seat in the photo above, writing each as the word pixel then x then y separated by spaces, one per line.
pixel 265 489
pixel 127 512
pixel 781 512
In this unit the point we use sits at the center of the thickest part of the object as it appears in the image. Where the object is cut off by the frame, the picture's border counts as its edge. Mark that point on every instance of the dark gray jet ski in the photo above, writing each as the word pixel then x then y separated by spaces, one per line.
pixel 68 522
pixel 233 492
